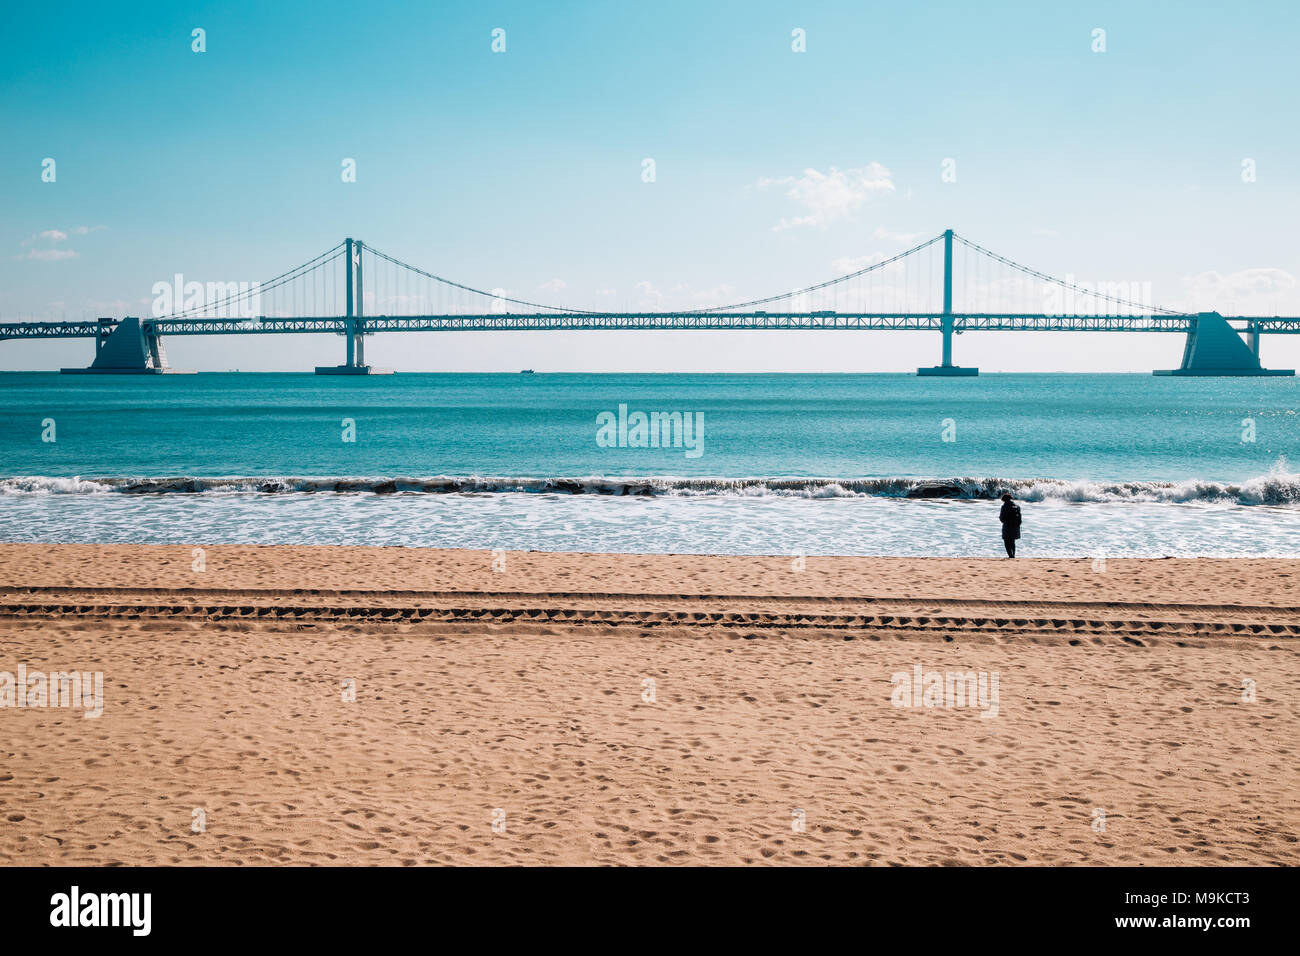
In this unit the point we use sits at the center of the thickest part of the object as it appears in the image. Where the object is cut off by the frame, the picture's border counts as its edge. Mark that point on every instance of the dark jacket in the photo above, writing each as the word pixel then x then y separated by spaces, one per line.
pixel 1010 518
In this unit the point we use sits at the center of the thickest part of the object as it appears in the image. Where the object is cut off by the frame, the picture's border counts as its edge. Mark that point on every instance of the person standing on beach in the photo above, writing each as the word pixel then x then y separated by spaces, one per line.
pixel 1010 518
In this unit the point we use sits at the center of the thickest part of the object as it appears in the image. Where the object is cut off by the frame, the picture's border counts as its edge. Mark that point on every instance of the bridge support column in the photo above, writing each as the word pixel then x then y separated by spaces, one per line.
pixel 131 348
pixel 354 321
pixel 350 324
pixel 1213 347
pixel 359 321
pixel 157 354
pixel 948 323
pixel 102 332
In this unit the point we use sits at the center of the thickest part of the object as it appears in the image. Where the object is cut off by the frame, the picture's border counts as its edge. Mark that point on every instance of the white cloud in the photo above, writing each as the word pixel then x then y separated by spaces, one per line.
pixel 1245 282
pixel 116 306
pixel 554 285
pixel 795 223
pixel 1246 290
pixel 900 237
pixel 830 196
pixel 46 236
pixel 846 264
pixel 649 295
pixel 1048 233
pixel 58 235
pixel 702 298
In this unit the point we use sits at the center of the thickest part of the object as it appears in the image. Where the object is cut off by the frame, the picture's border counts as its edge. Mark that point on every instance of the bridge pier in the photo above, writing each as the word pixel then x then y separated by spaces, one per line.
pixel 131 348
pixel 1213 347
pixel 354 322
pixel 947 368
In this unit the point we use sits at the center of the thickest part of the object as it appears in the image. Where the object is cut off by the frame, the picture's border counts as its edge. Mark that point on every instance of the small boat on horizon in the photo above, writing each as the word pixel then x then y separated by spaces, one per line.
pixel 526 371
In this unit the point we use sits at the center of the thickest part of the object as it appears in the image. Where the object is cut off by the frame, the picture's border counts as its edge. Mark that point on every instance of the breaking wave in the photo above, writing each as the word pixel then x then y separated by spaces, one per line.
pixel 1278 487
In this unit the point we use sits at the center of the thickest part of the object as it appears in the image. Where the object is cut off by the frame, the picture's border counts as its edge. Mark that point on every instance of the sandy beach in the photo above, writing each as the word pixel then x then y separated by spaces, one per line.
pixel 615 709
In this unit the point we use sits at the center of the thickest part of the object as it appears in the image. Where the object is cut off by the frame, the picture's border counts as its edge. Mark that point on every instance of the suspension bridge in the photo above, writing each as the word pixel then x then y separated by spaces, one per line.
pixel 355 291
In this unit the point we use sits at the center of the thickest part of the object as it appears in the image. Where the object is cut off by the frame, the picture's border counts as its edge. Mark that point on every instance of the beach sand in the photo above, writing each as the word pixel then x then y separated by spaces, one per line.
pixel 607 709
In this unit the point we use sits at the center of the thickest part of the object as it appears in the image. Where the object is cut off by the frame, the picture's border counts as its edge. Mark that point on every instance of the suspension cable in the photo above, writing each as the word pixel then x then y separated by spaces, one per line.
pixel 823 285
pixel 490 295
pixel 1061 282
pixel 267 286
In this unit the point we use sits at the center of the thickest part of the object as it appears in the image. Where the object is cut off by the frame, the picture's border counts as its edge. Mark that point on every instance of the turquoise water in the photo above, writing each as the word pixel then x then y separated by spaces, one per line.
pixel 1125 464
pixel 1079 427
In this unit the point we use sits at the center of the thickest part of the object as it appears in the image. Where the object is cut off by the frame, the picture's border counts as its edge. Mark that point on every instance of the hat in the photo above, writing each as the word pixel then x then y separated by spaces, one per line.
pixel 1006 496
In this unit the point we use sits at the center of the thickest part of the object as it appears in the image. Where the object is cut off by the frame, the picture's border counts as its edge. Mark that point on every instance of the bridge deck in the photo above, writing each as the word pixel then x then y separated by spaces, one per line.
pixel 579 321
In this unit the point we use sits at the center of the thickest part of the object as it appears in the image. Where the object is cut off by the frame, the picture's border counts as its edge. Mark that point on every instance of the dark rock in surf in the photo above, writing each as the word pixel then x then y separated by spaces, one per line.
pixel 935 489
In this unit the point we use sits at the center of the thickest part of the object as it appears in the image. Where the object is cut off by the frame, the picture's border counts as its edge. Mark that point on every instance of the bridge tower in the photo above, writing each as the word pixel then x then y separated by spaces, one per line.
pixel 354 322
pixel 947 321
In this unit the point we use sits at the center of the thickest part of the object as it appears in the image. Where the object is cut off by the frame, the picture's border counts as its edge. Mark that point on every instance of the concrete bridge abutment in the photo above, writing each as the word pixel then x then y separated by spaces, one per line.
pixel 1214 347
pixel 130 348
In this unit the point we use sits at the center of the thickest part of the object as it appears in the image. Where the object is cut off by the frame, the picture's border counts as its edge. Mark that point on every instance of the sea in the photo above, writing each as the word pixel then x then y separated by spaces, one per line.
pixel 1107 465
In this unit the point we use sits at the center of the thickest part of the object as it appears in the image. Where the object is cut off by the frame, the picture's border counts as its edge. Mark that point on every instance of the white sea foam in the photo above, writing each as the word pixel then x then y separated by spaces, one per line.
pixel 699 524
pixel 41 485
pixel 1277 487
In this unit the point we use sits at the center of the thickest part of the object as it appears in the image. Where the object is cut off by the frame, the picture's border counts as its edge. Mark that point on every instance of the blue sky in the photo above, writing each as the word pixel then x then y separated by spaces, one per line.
pixel 517 169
